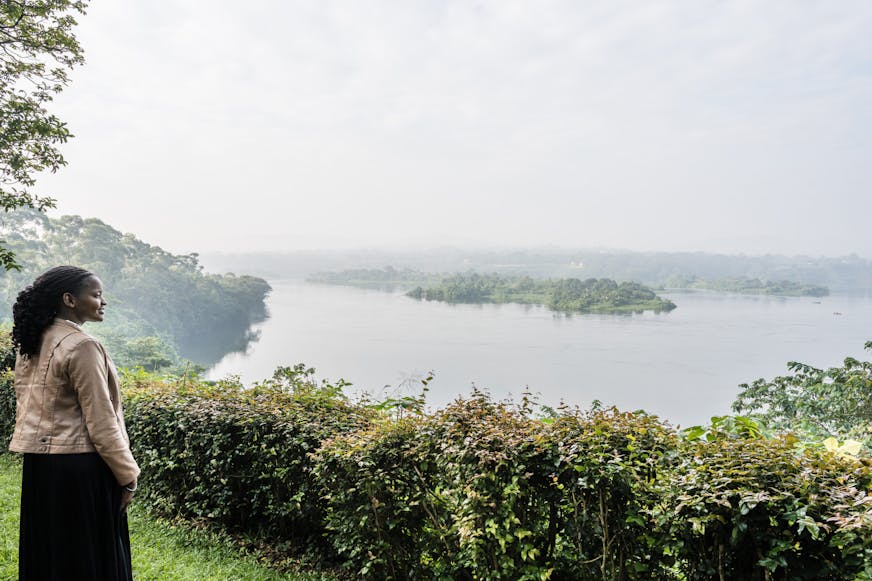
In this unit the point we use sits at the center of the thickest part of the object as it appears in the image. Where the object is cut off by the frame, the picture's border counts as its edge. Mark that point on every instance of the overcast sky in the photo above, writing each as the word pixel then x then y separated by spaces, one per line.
pixel 283 125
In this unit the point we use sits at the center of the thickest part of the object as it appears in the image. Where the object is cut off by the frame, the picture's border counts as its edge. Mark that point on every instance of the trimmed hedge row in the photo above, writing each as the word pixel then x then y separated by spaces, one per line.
pixel 482 490
pixel 234 456
pixel 761 508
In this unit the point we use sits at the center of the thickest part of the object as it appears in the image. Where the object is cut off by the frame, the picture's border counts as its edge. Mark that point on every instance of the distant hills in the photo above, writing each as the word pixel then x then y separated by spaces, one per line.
pixel 656 269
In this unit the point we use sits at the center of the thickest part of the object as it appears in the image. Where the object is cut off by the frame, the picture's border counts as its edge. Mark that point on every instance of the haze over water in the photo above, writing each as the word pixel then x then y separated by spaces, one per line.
pixel 684 365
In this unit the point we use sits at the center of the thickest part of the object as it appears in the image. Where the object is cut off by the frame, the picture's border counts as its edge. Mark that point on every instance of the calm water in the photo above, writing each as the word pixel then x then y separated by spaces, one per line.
pixel 684 365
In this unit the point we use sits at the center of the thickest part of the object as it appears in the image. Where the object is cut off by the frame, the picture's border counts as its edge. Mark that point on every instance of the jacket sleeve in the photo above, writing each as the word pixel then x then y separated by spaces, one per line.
pixel 88 369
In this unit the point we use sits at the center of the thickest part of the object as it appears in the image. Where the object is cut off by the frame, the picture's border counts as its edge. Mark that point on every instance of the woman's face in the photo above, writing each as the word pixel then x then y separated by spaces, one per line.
pixel 88 304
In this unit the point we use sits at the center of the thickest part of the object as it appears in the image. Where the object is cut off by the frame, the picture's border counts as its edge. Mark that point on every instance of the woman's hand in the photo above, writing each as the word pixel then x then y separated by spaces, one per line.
pixel 127 492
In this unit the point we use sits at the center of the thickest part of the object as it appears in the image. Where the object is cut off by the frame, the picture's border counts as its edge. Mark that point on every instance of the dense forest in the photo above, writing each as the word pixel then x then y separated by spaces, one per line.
pixel 163 308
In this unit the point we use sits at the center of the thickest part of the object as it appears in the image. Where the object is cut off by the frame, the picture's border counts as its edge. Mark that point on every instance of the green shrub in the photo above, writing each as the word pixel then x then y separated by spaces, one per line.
pixel 484 490
pixel 610 468
pixel 479 490
pixel 486 459
pixel 7 408
pixel 819 402
pixel 7 389
pixel 769 508
pixel 237 457
pixel 383 518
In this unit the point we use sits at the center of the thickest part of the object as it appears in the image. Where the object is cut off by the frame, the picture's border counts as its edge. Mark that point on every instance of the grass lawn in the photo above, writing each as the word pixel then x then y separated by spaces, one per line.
pixel 160 550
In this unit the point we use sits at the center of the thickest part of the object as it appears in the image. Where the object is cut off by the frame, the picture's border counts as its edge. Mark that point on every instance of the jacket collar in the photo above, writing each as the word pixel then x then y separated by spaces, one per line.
pixel 66 323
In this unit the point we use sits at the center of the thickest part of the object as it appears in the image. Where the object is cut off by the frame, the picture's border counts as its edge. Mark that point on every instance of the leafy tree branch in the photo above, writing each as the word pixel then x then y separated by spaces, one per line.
pixel 37 51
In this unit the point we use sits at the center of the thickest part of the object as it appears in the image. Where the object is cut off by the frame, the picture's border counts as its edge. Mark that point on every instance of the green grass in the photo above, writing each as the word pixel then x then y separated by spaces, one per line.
pixel 10 495
pixel 160 550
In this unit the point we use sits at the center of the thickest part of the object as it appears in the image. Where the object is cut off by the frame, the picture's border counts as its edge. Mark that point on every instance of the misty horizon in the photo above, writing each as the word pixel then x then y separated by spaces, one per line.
pixel 423 248
pixel 725 128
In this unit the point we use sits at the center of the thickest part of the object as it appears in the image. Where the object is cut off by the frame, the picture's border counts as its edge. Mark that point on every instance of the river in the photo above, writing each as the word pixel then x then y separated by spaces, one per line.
pixel 685 365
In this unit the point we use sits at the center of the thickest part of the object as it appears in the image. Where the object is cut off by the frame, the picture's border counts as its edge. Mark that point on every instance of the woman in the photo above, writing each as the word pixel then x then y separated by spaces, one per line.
pixel 79 474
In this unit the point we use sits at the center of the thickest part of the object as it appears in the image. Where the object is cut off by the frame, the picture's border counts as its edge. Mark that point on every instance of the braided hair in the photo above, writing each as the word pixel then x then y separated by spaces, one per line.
pixel 36 306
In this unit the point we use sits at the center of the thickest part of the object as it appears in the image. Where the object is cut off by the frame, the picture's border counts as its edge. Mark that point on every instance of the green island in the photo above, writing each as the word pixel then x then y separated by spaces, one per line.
pixel 750 286
pixel 570 295
pixel 592 295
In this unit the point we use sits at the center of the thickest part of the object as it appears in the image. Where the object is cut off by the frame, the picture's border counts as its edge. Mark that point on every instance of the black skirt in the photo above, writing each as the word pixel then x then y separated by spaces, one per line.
pixel 71 525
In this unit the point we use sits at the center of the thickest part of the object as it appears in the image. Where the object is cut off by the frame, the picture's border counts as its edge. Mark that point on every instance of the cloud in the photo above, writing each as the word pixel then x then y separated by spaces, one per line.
pixel 739 126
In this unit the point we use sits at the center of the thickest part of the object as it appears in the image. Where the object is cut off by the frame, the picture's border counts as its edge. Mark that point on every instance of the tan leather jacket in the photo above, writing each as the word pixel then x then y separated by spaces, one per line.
pixel 68 401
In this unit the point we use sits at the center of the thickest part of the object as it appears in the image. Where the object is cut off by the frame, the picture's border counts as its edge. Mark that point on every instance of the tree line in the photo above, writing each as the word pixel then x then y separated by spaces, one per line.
pixel 749 286
pixel 162 307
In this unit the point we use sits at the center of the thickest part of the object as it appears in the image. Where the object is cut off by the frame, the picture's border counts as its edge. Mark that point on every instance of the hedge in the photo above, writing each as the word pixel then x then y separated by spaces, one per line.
pixel 479 490
pixel 485 490
pixel 7 390
pixel 238 457
pixel 761 508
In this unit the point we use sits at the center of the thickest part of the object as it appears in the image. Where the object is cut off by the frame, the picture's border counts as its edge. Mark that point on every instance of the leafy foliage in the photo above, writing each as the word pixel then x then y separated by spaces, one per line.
pixel 821 402
pixel 749 507
pixel 238 457
pixel 487 490
pixel 598 295
pixel 566 295
pixel 7 390
pixel 38 52
pixel 480 490
pixel 162 307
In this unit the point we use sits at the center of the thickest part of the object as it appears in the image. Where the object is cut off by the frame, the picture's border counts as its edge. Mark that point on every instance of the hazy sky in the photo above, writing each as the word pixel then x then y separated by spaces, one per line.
pixel 281 125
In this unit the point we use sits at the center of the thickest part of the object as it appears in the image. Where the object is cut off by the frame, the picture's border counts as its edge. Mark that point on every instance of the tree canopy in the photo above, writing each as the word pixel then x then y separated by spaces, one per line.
pixel 163 306
pixel 564 295
pixel 824 402
pixel 37 52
